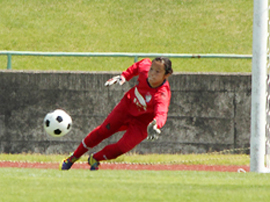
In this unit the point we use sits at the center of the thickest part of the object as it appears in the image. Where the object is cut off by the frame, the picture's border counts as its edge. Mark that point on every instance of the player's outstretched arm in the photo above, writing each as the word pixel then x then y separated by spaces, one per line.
pixel 120 79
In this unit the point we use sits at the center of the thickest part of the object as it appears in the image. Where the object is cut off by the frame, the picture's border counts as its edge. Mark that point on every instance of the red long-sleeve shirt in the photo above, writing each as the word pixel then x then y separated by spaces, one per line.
pixel 151 103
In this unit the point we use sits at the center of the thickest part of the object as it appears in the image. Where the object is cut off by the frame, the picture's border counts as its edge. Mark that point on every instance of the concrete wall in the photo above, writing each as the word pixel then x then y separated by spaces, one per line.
pixel 208 112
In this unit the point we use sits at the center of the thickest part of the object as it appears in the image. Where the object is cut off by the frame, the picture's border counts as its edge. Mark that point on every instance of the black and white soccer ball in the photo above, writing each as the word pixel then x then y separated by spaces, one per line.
pixel 57 123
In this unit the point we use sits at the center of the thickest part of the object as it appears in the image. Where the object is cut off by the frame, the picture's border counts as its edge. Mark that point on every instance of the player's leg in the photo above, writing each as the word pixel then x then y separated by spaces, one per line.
pixel 135 134
pixel 113 123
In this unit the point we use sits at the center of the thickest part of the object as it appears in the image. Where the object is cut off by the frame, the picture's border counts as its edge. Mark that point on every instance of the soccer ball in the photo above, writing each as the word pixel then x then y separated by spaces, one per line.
pixel 57 123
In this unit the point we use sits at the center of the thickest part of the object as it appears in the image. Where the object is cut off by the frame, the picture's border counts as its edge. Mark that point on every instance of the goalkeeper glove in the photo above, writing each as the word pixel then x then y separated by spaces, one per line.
pixel 116 79
pixel 152 130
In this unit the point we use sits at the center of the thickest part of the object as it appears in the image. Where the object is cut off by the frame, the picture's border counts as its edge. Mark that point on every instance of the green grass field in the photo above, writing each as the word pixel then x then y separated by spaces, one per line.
pixel 123 185
pixel 24 184
pixel 187 159
pixel 147 26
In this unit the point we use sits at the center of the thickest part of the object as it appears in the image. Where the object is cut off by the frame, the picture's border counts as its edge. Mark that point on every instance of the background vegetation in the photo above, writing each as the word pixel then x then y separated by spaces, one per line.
pixel 147 26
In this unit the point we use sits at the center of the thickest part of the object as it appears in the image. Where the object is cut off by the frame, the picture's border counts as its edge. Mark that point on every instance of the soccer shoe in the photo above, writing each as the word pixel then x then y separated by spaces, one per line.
pixel 67 163
pixel 93 163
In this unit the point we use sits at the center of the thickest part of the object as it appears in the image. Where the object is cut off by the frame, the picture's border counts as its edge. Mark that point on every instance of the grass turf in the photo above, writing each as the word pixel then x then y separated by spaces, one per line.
pixel 151 26
pixel 188 159
pixel 108 185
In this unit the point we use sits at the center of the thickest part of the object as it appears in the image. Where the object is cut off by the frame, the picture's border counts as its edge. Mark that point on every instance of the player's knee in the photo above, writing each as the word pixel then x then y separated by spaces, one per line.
pixel 105 128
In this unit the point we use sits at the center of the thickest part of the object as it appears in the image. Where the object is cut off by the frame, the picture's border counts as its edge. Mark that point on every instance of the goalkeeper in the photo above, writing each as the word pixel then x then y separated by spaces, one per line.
pixel 140 113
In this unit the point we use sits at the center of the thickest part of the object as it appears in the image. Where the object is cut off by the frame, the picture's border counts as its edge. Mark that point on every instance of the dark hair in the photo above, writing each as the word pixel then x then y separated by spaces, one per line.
pixel 167 64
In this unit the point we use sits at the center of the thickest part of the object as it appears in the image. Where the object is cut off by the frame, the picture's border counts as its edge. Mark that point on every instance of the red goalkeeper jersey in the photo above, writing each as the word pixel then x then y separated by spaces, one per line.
pixel 144 101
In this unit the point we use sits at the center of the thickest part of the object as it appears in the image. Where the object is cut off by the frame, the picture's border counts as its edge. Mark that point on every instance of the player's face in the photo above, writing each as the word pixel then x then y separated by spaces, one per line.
pixel 156 74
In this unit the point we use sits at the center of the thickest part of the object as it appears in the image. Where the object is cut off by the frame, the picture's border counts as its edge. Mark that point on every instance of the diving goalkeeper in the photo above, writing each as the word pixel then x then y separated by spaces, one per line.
pixel 140 113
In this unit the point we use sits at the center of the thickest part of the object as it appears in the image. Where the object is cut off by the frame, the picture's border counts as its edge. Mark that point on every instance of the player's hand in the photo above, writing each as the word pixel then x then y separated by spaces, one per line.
pixel 152 130
pixel 116 79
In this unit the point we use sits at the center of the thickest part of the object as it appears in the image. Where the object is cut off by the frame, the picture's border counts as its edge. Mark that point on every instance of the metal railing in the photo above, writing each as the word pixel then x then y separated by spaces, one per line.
pixel 9 55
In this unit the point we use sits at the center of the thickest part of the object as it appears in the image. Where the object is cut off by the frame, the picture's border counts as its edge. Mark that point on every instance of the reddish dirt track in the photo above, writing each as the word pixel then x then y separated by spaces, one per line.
pixel 124 166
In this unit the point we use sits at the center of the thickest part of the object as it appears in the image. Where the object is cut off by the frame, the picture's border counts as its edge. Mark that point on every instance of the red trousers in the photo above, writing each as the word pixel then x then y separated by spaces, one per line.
pixel 118 120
